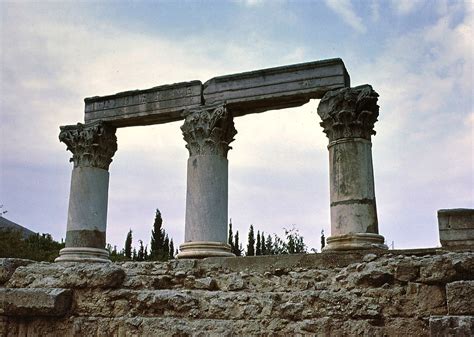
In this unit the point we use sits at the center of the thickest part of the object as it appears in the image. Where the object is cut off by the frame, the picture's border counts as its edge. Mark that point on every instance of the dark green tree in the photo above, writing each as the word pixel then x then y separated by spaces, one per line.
pixel 38 247
pixel 171 253
pixel 237 248
pixel 294 241
pixel 141 252
pixel 166 248
pixel 263 248
pixel 128 245
pixel 258 250
pixel 251 242
pixel 157 239
pixel 323 240
pixel 230 239
pixel 269 245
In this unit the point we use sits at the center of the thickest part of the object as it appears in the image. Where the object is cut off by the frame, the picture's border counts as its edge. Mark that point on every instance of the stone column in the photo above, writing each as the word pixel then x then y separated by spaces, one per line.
pixel 348 117
pixel 93 146
pixel 208 132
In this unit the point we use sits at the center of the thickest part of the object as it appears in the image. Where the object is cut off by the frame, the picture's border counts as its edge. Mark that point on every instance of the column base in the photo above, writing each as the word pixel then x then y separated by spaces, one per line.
pixel 83 254
pixel 354 241
pixel 202 249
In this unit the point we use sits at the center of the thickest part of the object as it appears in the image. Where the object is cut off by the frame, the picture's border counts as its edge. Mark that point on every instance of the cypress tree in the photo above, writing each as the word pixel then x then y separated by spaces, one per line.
pixel 171 254
pixel 166 248
pixel 258 250
pixel 323 240
pixel 269 245
pixel 251 242
pixel 230 239
pixel 128 245
pixel 263 250
pixel 157 238
pixel 237 248
pixel 141 252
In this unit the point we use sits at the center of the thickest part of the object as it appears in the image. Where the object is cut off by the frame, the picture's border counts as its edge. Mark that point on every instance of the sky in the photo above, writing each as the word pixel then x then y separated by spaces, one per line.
pixel 418 55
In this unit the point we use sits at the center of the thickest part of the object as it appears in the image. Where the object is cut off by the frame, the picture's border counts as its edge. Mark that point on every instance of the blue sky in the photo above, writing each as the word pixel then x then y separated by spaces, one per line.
pixel 416 54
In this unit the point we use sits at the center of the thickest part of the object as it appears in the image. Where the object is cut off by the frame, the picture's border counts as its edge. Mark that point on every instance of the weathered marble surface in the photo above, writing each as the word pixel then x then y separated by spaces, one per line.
pixel 348 117
pixel 156 105
pixel 276 88
pixel 248 92
pixel 456 227
pixel 208 133
pixel 411 293
pixel 93 146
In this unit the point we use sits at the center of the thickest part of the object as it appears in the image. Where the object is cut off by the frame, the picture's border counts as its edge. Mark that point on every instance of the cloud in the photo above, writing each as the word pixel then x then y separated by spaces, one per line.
pixel 251 3
pixel 405 7
pixel 423 158
pixel 375 10
pixel 346 11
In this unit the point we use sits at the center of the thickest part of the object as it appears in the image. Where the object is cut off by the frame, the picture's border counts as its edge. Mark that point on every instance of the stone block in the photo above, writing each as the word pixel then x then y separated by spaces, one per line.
pixel 35 302
pixel 8 267
pixel 456 227
pixel 460 298
pixel 460 326
pixel 156 105
pixel 67 275
pixel 276 88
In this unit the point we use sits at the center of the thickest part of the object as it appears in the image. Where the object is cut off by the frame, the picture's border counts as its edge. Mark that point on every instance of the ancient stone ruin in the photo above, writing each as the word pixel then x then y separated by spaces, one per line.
pixel 348 116
pixel 356 287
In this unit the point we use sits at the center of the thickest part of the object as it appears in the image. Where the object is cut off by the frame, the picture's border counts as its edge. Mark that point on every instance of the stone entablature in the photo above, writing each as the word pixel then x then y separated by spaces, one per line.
pixel 209 131
pixel 244 93
pixel 92 145
pixel 156 105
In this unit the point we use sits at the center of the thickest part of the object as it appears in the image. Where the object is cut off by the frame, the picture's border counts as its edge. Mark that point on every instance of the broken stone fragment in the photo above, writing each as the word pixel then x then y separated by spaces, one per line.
pixel 35 302
pixel 460 298
pixel 8 267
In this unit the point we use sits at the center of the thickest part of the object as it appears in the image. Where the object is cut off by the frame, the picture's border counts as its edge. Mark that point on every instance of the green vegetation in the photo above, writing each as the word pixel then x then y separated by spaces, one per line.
pixel 36 247
pixel 292 243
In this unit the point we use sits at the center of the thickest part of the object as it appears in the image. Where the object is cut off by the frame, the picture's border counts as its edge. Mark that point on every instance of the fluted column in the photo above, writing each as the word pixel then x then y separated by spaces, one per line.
pixel 93 146
pixel 208 132
pixel 348 117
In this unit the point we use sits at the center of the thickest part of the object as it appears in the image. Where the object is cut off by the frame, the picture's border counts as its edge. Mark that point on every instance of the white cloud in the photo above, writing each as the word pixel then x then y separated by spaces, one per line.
pixel 375 10
pixel 346 11
pixel 405 7
pixel 253 3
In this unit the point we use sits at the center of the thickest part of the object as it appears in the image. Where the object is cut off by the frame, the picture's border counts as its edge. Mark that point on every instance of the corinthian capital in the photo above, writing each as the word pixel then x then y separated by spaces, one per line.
pixel 92 145
pixel 349 112
pixel 209 131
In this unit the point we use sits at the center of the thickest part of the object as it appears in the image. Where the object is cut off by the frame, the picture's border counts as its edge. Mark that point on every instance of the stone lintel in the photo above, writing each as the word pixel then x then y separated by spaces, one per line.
pixel 35 301
pixel 244 93
pixel 276 88
pixel 161 104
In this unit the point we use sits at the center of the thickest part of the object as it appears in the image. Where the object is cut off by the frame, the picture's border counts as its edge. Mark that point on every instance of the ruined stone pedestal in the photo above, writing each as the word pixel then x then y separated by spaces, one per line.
pixel 456 227
pixel 208 133
pixel 348 118
pixel 93 146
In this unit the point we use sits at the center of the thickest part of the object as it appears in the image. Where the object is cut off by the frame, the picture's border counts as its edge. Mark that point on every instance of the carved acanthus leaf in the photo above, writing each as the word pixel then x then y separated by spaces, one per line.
pixel 209 131
pixel 92 145
pixel 349 112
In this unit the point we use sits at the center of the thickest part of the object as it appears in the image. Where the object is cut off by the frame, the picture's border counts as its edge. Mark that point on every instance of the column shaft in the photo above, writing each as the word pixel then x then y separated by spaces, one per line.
pixel 208 132
pixel 93 147
pixel 348 118
pixel 206 199
pixel 352 187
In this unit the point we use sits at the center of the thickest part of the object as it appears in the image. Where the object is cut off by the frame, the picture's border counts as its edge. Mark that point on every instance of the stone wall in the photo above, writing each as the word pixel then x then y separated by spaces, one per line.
pixel 411 293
